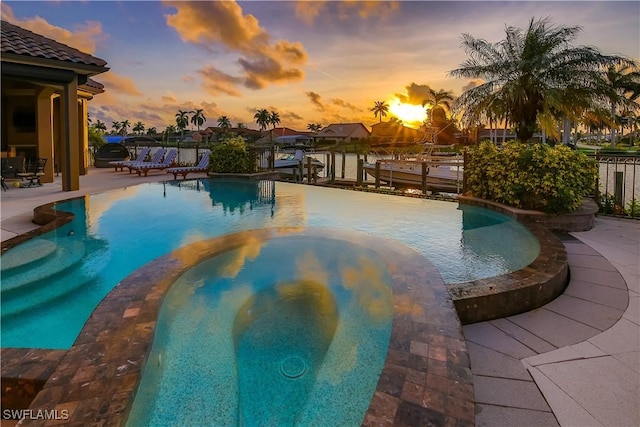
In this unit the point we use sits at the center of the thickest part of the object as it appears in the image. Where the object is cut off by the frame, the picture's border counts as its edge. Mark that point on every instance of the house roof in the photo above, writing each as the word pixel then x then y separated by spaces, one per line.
pixel 343 130
pixel 18 41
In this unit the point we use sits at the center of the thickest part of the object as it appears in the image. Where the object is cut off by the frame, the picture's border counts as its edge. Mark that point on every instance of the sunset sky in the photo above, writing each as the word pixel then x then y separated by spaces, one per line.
pixel 311 61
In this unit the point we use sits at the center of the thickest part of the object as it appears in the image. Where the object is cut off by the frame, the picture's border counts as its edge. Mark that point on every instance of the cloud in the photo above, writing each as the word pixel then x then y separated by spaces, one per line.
pixel 471 84
pixel 415 94
pixel 217 82
pixel 262 60
pixel 169 97
pixel 117 83
pixel 315 100
pixel 344 104
pixel 309 10
pixel 84 38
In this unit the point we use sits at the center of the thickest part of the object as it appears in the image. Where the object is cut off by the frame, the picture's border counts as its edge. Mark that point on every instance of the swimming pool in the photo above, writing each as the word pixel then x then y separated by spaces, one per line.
pixel 115 233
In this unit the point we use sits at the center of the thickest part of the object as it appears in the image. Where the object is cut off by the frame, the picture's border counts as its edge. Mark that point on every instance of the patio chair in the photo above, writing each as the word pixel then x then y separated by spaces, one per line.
pixel 202 166
pixel 145 167
pixel 33 172
pixel 157 158
pixel 122 163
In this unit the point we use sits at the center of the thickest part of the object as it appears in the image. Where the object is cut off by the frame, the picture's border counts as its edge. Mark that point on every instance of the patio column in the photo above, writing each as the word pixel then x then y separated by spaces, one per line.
pixel 44 131
pixel 70 156
pixel 83 136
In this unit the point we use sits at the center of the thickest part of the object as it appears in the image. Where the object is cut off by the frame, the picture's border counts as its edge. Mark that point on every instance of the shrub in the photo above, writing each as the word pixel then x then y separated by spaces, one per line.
pixel 530 176
pixel 230 156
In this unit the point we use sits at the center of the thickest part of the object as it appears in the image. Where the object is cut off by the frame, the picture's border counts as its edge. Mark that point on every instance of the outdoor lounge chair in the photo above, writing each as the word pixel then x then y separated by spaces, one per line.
pixel 33 172
pixel 122 163
pixel 157 158
pixel 202 166
pixel 145 167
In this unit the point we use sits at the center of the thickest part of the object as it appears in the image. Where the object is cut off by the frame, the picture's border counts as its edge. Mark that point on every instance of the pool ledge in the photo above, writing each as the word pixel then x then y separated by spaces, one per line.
pixel 426 379
pixel 526 289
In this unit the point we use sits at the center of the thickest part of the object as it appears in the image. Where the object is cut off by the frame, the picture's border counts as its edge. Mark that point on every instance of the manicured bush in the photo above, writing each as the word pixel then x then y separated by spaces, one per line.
pixel 230 156
pixel 530 176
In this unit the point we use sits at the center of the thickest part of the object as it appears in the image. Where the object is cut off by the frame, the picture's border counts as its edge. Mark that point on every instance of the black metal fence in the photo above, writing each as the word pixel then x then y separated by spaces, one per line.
pixel 617 190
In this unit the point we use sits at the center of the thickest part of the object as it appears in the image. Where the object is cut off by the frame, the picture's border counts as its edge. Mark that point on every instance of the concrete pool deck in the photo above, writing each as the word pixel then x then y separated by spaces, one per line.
pixel 575 361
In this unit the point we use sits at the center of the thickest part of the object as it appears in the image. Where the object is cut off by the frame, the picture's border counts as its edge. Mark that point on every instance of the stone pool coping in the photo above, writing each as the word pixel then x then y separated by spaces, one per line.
pixel 426 378
pixel 523 290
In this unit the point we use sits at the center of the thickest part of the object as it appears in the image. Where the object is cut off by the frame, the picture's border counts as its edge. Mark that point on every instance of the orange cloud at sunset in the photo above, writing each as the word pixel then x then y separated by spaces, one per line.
pixel 263 61
pixel 119 84
pixel 217 82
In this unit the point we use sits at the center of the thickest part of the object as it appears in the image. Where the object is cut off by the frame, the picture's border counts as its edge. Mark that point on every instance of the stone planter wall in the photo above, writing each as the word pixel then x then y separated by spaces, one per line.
pixel 581 220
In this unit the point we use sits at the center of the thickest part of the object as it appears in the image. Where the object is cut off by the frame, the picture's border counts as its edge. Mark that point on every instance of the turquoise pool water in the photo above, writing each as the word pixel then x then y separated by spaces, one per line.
pixel 292 331
pixel 116 232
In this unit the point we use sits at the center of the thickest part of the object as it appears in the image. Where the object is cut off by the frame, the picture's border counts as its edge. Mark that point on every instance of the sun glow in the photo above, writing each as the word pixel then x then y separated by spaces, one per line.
pixel 410 114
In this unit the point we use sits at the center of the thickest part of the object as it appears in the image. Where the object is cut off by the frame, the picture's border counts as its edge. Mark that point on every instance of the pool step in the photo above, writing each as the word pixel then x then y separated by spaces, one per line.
pixel 47 292
pixel 28 253
pixel 36 274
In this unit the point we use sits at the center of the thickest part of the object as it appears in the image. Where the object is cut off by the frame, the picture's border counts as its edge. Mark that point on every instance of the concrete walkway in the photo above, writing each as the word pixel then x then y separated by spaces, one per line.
pixel 573 362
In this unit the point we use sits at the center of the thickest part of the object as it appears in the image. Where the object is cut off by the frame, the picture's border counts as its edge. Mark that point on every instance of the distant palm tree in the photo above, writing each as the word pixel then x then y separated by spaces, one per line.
pixel 380 109
pixel 100 126
pixel 530 73
pixel 274 119
pixel 182 121
pixel 138 127
pixel 224 123
pixel 198 118
pixel 623 82
pixel 152 131
pixel 314 127
pixel 442 98
pixel 124 128
pixel 116 128
pixel 262 118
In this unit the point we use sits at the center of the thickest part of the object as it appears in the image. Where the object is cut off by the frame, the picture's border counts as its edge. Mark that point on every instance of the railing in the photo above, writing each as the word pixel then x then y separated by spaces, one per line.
pixel 617 189
pixel 263 157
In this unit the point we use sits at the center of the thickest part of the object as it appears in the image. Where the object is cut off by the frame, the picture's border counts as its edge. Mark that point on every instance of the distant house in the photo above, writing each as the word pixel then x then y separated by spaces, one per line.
pixel 343 132
pixel 394 131
pixel 45 89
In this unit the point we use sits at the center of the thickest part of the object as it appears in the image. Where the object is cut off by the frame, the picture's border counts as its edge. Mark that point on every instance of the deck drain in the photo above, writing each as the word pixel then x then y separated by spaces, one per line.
pixel 293 367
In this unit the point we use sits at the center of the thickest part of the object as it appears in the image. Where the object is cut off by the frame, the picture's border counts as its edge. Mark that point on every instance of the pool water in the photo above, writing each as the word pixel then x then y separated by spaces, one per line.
pixel 116 232
pixel 292 331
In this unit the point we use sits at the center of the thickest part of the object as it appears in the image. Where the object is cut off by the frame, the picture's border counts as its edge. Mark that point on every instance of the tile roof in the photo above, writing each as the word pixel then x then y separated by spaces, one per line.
pixel 19 41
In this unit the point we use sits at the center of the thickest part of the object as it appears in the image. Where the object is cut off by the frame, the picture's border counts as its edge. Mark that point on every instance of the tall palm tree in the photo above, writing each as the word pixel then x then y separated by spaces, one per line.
pixel 623 83
pixel 198 118
pixel 380 108
pixel 529 73
pixel 262 118
pixel 274 120
pixel 124 128
pixel 314 127
pixel 182 121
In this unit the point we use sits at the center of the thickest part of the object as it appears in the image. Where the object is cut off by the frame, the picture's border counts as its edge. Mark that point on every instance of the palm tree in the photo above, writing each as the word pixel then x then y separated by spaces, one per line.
pixel 262 118
pixel 198 118
pixel 224 123
pixel 138 127
pixel 274 119
pixel 124 127
pixel 100 126
pixel 314 127
pixel 381 109
pixel 182 121
pixel 116 127
pixel 152 131
pixel 623 83
pixel 530 73
pixel 442 98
